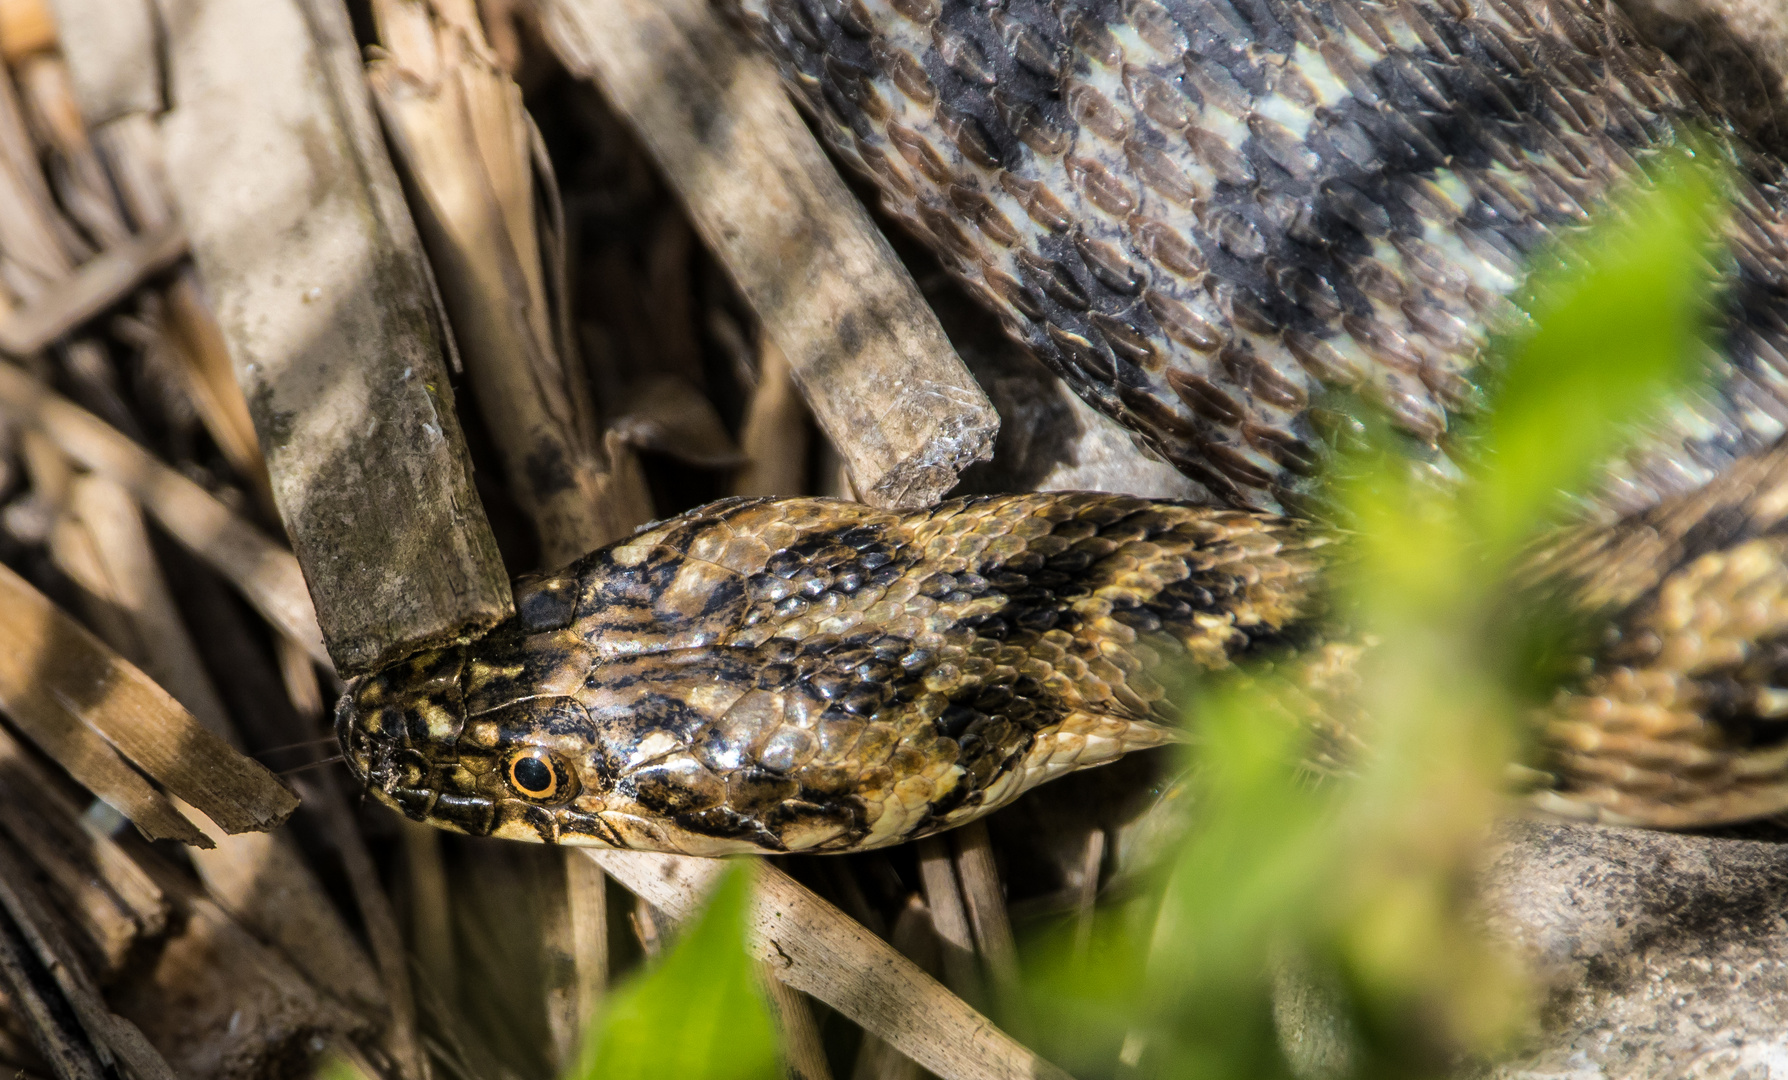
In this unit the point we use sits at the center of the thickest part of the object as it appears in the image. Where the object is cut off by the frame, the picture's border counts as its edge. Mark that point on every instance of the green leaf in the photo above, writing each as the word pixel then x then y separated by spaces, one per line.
pixel 698 1014
pixel 1616 326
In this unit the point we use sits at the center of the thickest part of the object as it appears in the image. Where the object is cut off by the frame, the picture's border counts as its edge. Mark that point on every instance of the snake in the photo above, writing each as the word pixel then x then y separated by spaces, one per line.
pixel 1230 225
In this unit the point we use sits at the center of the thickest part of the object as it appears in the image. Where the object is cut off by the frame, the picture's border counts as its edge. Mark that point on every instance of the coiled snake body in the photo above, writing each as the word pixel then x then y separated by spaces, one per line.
pixel 1219 220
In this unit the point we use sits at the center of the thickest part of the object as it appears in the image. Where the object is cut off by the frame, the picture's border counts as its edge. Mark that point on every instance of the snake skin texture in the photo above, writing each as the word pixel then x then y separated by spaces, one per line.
pixel 1682 719
pixel 815 675
pixel 1226 223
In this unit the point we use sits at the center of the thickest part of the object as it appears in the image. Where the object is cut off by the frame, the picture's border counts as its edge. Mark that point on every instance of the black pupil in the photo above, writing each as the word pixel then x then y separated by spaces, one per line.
pixel 532 775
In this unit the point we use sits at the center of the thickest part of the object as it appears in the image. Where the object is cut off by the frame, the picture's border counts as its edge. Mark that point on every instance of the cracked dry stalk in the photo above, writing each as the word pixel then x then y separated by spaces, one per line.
pixel 456 121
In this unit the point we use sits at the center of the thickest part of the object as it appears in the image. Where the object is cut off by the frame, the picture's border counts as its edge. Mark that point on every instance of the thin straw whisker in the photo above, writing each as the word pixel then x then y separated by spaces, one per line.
pixel 318 764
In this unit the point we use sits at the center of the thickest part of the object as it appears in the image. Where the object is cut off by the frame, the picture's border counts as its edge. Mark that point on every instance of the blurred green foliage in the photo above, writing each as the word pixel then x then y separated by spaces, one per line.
pixel 697 1014
pixel 1335 918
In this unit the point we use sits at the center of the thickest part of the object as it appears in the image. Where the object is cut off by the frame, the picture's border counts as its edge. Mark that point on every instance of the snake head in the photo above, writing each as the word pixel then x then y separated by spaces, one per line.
pixel 534 737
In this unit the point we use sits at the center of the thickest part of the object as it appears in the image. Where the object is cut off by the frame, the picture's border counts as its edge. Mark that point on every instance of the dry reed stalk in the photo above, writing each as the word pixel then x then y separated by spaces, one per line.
pixel 76 175
pixel 266 574
pixel 586 895
pixel 91 711
pixel 99 284
pixel 817 949
pixel 200 355
pixel 981 889
pixel 126 574
pixel 804 1053
pixel 401 1039
pixel 40 244
pixel 131 148
pixel 331 324
pixel 801 250
pixel 114 901
pixel 670 415
pixel 463 138
pixel 260 878
pixel 118 1042
pixel 428 910
pixel 56 1035
pixel 775 436
pixel 949 918
pixel 912 938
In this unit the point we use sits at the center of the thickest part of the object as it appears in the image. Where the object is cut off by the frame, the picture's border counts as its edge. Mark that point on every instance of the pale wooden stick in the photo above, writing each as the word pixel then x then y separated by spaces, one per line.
pixel 817 949
pixel 331 323
pixel 913 938
pixel 877 370
pixel 266 574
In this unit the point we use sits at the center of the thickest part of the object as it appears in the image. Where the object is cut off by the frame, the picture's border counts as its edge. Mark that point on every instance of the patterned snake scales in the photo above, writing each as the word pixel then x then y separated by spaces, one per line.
pixel 1219 220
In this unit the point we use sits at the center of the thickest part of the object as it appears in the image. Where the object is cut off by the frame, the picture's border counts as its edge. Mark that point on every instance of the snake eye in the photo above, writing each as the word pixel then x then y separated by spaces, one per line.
pixel 539 775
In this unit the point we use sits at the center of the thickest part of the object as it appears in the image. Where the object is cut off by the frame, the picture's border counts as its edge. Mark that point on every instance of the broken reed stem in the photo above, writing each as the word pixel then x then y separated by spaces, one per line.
pixel 402 1040
pixel 461 134
pixel 65 689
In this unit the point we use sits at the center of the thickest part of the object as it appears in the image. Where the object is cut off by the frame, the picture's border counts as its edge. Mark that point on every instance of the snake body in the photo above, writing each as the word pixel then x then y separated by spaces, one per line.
pixel 1225 221
pixel 1221 221
pixel 817 675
